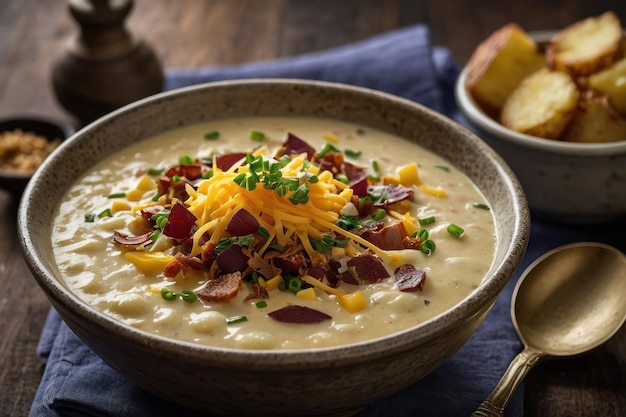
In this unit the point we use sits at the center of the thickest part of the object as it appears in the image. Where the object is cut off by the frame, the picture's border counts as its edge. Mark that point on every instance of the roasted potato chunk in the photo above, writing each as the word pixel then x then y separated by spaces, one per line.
pixel 542 105
pixel 499 64
pixel 595 121
pixel 612 82
pixel 587 46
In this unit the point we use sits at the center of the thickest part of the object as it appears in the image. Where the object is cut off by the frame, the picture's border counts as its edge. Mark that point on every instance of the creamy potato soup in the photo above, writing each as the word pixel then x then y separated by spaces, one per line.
pixel 273 233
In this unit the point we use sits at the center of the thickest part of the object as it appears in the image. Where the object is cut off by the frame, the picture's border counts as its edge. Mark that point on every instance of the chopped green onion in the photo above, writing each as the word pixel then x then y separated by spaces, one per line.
pixel 236 319
pixel 342 178
pixel 212 135
pixel 156 197
pixel 427 220
pixel 376 167
pixel 117 195
pixel 481 206
pixel 348 222
pixel 428 247
pixel 294 284
pixel 208 174
pixel 155 235
pixel 276 247
pixel 455 230
pixel 167 294
pixel 329 147
pixel 421 234
pixel 105 213
pixel 262 231
pixel 185 160
pixel 443 168
pixel 176 178
pixel 257 136
pixel 380 214
pixel 188 296
pixel 155 171
pixel 90 217
pixel 352 153
pixel 261 304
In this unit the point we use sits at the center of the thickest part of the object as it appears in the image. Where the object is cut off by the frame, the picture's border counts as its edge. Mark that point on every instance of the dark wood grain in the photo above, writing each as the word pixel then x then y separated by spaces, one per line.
pixel 197 33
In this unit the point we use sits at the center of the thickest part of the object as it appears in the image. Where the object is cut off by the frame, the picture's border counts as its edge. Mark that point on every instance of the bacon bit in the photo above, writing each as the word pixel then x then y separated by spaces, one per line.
pixel 171 189
pixel 208 254
pixel 172 268
pixel 257 291
pixel 409 278
pixel 295 145
pixel 192 172
pixel 180 222
pixel 388 238
pixel 224 162
pixel 222 288
pixel 389 194
pixel 150 211
pixel 233 259
pixel 242 223
pixel 298 314
pixel 411 242
pixel 128 241
pixel 262 266
pixel 368 267
pixel 182 262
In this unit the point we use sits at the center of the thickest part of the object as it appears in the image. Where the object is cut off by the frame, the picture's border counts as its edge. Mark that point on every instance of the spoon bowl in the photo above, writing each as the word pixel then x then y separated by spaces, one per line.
pixel 567 302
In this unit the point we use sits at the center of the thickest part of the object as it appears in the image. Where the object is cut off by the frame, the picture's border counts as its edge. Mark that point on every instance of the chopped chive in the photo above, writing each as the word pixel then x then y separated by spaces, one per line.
pixel 443 168
pixel 352 153
pixel 117 195
pixel 262 231
pixel 455 230
pixel 342 178
pixel 155 171
pixel 277 247
pixel 176 178
pixel 185 160
pixel 208 174
pixel 155 235
pixel 167 294
pixel 481 206
pixel 427 220
pixel 212 135
pixel 105 213
pixel 188 296
pixel 294 284
pixel 236 319
pixel 90 217
pixel 329 147
pixel 376 167
pixel 428 247
pixel 380 214
pixel 261 304
pixel 421 234
pixel 257 136
pixel 156 197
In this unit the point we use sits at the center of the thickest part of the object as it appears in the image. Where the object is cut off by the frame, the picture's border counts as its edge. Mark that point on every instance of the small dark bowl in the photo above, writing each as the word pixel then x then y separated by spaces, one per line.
pixel 49 128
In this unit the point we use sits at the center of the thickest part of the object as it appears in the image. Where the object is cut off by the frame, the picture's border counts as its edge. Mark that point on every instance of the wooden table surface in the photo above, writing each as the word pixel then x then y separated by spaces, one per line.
pixel 197 33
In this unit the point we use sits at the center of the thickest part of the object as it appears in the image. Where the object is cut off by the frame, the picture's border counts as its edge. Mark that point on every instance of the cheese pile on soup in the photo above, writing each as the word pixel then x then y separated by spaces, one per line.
pixel 273 233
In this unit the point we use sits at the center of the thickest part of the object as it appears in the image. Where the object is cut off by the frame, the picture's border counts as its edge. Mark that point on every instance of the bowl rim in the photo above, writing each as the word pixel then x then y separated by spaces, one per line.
pixel 470 109
pixel 472 304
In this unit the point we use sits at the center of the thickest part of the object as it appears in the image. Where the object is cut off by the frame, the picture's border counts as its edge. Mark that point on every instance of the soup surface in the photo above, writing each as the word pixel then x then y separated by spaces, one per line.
pixel 270 233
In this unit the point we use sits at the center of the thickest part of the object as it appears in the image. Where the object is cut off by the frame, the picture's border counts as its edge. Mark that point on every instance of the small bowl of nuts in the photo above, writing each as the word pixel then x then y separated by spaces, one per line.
pixel 25 141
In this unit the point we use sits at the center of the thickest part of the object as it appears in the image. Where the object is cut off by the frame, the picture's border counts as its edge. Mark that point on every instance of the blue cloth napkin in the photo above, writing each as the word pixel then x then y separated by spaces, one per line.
pixel 77 383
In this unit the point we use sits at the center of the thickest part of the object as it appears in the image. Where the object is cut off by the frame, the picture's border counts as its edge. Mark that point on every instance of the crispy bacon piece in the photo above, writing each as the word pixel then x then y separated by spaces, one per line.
pixel 224 162
pixel 190 171
pixel 129 241
pixel 409 278
pixel 180 222
pixel 182 262
pixel 295 145
pixel 222 288
pixel 262 266
pixel 257 291
pixel 388 237
pixel 389 194
pixel 357 176
pixel 298 314
pixel 242 223
pixel 368 267
pixel 171 189
pixel 150 211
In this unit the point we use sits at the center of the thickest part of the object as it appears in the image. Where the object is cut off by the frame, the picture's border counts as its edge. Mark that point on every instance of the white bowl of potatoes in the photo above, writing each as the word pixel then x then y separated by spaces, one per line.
pixel 553 104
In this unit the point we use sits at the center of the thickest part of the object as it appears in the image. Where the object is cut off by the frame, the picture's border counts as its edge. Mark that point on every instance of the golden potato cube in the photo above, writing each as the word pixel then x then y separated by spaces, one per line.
pixel 595 121
pixel 499 64
pixel 542 105
pixel 612 82
pixel 587 46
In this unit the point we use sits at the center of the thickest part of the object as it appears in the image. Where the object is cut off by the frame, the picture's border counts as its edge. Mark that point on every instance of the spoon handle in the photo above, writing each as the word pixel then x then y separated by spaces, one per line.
pixel 495 404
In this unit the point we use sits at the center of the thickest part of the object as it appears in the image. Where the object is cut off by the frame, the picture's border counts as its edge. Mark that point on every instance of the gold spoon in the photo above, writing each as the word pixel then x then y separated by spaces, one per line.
pixel 567 302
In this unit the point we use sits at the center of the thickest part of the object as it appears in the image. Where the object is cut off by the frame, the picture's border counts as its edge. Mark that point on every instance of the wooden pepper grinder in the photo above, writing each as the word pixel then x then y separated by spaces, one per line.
pixel 104 67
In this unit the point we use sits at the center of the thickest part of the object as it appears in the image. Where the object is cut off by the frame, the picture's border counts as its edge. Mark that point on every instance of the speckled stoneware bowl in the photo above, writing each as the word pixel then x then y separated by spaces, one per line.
pixel 315 382
pixel 564 182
